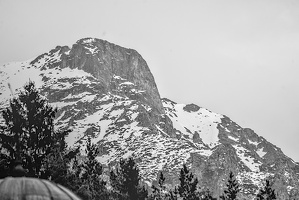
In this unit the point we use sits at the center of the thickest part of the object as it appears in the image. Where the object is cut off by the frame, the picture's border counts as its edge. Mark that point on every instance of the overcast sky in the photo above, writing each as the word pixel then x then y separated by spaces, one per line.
pixel 238 58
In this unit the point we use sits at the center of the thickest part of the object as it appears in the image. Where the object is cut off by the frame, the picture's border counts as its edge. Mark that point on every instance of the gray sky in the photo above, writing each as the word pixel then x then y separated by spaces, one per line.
pixel 238 58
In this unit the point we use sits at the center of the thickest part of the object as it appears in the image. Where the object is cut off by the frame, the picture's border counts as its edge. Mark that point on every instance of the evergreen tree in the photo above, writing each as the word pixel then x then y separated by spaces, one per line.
pixel 159 191
pixel 188 185
pixel 28 135
pixel 84 174
pixel 161 181
pixel 56 163
pixel 142 193
pixel 230 193
pixel 173 194
pixel 266 193
pixel 91 172
pixel 4 165
pixel 125 181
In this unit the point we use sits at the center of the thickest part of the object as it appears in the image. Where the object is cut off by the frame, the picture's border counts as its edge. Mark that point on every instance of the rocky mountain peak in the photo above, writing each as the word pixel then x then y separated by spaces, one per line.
pixel 105 61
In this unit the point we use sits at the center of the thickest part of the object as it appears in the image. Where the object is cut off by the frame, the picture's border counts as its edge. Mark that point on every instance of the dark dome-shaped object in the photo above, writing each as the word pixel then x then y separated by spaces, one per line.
pixel 23 188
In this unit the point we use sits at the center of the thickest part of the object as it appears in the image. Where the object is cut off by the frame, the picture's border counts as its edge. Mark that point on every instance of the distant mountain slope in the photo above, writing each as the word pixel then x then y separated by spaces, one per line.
pixel 108 92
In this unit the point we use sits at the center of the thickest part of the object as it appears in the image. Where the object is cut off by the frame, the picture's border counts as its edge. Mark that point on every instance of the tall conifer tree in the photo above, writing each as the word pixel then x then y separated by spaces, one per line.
pixel 90 186
pixel 266 193
pixel 125 181
pixel 232 190
pixel 28 135
pixel 159 191
pixel 188 185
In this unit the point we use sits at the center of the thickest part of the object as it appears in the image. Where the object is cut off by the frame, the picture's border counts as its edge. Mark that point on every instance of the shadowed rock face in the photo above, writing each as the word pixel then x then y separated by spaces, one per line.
pixel 105 60
pixel 191 108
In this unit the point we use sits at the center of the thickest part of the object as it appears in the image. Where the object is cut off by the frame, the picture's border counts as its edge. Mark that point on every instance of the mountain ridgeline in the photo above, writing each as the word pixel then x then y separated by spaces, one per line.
pixel 108 93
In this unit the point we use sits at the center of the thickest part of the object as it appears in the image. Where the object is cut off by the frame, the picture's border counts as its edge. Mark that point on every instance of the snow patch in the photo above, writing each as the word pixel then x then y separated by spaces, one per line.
pixel 247 159
pixel 88 98
pixel 70 96
pixel 252 142
pixel 60 116
pixel 118 77
pixel 128 154
pixel 205 152
pixel 203 121
pixel 261 152
pixel 67 72
pixel 289 188
pixel 127 83
pixel 88 40
pixel 227 130
pixel 104 125
pixel 233 138
pixel 63 104
pixel 91 50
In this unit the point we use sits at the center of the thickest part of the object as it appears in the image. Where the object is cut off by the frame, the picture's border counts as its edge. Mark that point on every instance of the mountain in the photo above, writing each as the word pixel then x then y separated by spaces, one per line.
pixel 108 93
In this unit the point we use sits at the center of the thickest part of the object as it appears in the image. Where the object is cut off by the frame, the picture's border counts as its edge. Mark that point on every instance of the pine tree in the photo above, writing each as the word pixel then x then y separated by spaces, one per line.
pixel 161 181
pixel 159 191
pixel 266 193
pixel 125 181
pixel 142 193
pixel 28 135
pixel 4 165
pixel 232 190
pixel 84 174
pixel 56 163
pixel 173 194
pixel 188 185
pixel 91 172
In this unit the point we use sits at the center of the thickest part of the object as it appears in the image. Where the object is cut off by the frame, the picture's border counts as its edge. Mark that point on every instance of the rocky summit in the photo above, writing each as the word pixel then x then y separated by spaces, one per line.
pixel 108 93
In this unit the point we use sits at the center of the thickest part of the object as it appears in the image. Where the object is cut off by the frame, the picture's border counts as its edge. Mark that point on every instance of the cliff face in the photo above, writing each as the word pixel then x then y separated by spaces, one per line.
pixel 108 93
pixel 105 61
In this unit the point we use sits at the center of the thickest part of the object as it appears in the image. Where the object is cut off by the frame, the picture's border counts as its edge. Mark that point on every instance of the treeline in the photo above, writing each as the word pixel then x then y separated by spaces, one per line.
pixel 30 146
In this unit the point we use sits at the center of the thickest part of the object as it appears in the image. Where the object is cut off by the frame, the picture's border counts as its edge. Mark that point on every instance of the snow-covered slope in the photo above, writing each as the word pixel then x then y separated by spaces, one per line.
pixel 188 124
pixel 107 92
